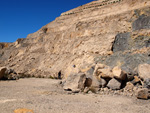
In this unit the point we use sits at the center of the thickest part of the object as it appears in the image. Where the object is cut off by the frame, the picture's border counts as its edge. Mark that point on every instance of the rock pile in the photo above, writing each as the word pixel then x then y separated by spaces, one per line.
pixel 104 80
pixel 8 74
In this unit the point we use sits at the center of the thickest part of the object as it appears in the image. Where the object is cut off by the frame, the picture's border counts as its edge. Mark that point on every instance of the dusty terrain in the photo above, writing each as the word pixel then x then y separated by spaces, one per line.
pixel 47 96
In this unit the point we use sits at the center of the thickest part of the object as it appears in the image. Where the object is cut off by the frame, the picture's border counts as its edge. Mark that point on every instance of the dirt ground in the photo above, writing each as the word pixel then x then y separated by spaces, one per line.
pixel 47 96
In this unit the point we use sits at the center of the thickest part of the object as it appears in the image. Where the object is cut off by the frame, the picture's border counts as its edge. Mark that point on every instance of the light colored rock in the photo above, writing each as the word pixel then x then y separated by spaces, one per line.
pixel 129 87
pixel 103 71
pixel 95 82
pixel 2 72
pixel 114 84
pixel 144 71
pixel 143 93
pixel 75 82
pixel 119 73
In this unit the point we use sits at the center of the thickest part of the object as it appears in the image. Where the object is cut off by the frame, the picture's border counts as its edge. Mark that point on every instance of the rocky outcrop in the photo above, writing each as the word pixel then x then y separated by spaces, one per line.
pixel 101 31
pixel 107 42
pixel 8 74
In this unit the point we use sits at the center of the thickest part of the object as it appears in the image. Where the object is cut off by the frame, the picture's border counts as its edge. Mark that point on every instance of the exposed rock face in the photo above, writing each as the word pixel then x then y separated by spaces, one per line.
pixel 113 32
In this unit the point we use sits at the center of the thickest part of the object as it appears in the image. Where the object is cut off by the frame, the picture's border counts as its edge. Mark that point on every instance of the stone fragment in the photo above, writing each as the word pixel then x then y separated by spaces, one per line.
pixel 143 93
pixel 119 73
pixel 75 82
pixel 86 90
pixel 144 71
pixel 147 83
pixel 129 87
pixel 2 72
pixel 114 84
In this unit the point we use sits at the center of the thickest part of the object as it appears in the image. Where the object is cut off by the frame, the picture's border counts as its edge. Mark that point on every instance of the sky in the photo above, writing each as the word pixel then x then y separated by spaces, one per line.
pixel 18 18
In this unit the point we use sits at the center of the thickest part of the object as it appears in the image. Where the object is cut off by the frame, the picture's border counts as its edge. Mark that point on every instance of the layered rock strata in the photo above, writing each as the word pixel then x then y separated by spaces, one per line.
pixel 115 33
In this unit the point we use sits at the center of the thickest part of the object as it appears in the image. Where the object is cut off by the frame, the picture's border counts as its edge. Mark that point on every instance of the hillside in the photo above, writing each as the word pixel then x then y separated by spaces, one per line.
pixel 112 32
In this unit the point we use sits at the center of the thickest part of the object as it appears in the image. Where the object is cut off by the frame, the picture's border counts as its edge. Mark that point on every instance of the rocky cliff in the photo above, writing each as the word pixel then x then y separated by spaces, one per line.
pixel 112 32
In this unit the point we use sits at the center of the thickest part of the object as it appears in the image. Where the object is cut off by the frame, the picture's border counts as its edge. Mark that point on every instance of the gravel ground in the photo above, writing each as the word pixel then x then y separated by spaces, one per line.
pixel 47 96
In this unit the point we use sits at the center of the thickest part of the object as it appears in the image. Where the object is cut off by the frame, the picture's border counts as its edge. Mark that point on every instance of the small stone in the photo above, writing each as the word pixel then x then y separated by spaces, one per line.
pixel 143 94
pixel 86 90
pixel 114 84
pixel 129 86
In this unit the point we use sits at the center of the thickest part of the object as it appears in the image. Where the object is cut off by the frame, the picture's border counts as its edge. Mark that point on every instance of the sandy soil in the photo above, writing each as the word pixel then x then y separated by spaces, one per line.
pixel 47 96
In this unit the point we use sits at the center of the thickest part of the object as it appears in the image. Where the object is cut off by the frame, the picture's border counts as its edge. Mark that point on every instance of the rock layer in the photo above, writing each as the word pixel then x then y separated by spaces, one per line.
pixel 101 31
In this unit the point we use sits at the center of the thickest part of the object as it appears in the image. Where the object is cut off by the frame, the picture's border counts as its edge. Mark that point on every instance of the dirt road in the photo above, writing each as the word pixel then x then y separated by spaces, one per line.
pixel 47 96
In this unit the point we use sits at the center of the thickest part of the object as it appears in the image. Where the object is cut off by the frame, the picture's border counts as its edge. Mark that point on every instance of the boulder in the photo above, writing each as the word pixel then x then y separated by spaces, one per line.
pixel 147 83
pixel 102 82
pixel 114 84
pixel 119 73
pixel 144 71
pixel 95 82
pixel 2 72
pixel 75 82
pixel 103 71
pixel 143 93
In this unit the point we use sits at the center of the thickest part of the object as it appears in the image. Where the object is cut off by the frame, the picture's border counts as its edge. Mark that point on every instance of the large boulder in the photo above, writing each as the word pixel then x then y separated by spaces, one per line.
pixel 2 72
pixel 119 73
pixel 75 82
pixel 144 71
pixel 114 84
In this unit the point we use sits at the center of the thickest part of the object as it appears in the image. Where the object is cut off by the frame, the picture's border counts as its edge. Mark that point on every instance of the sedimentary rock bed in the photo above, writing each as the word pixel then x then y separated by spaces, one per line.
pixel 113 32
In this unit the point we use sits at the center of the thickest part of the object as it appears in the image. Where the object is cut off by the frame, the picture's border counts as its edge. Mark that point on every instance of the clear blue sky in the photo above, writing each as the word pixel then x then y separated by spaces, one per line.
pixel 18 18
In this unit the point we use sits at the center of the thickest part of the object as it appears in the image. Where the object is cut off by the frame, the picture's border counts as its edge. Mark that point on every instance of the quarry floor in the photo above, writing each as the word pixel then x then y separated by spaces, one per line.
pixel 47 96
